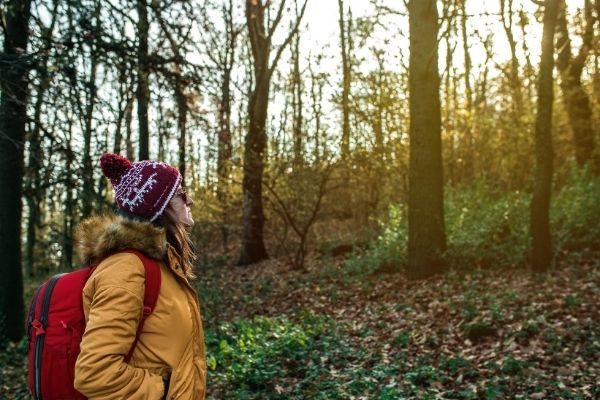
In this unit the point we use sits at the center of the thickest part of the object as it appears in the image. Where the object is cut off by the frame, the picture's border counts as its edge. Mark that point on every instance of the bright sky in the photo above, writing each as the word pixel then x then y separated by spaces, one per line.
pixel 322 19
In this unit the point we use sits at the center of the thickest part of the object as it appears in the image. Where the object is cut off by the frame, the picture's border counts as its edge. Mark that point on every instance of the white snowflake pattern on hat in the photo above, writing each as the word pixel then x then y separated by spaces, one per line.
pixel 139 192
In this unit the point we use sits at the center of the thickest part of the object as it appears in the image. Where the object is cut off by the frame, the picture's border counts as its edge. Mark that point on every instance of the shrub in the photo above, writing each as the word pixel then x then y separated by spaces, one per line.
pixel 254 355
pixel 488 230
pixel 576 212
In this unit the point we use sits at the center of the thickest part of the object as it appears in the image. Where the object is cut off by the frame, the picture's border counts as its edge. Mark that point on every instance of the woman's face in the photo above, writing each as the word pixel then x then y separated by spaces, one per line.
pixel 180 204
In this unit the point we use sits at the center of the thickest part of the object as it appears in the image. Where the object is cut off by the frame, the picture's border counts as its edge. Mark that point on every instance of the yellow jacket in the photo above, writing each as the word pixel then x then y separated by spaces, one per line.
pixel 172 340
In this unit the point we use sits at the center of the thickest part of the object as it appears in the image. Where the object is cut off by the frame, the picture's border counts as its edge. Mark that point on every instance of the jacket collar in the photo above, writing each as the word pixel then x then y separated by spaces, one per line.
pixel 100 236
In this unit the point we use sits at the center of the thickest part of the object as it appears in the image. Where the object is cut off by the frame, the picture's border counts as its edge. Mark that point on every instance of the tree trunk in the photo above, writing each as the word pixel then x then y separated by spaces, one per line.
pixel 143 87
pixel 124 98
pixel 515 81
pixel 427 240
pixel 13 118
pixel 576 99
pixel 224 151
pixel 297 104
pixel 33 192
pixel 68 222
pixel 316 95
pixel 468 154
pixel 224 155
pixel 346 79
pixel 87 195
pixel 253 246
pixel 541 240
pixel 128 129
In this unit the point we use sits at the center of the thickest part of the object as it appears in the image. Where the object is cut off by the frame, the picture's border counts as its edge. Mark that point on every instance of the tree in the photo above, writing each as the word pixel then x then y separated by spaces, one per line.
pixel 297 103
pixel 87 195
pixel 571 67
pixel 469 153
pixel 220 42
pixel 541 240
pixel 33 189
pixel 13 117
pixel 346 48
pixel 426 232
pixel 143 86
pixel 179 83
pixel 253 247
pixel 506 13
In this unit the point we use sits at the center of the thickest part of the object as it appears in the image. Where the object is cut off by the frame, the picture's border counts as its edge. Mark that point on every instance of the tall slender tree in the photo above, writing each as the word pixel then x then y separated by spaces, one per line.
pixel 297 103
pixel 469 153
pixel 143 85
pixel 219 39
pixel 506 14
pixel 541 239
pixel 34 191
pixel 570 67
pixel 253 246
pixel 87 195
pixel 426 232
pixel 13 117
pixel 346 49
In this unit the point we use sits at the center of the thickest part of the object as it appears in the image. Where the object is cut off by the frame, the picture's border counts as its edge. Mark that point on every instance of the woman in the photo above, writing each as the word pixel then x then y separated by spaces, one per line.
pixel 169 358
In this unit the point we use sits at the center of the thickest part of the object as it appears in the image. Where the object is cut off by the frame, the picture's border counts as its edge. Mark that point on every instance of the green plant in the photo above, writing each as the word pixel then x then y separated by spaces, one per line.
pixel 575 212
pixel 572 300
pixel 422 375
pixel 528 329
pixel 513 366
pixel 478 331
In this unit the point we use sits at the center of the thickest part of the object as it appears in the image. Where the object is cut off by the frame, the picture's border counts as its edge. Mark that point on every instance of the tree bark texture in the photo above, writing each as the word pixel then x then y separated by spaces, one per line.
pixel 87 195
pixel 427 240
pixel 541 240
pixel 346 79
pixel 13 117
pixel 143 87
pixel 253 246
pixel 224 146
pixel 298 123
pixel 576 99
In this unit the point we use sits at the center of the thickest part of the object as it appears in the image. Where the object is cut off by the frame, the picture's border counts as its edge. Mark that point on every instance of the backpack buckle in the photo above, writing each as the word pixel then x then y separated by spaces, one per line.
pixel 147 310
pixel 38 328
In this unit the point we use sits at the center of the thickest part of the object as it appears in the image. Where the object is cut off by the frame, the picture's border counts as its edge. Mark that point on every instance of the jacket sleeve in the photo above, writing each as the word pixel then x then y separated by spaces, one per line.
pixel 115 291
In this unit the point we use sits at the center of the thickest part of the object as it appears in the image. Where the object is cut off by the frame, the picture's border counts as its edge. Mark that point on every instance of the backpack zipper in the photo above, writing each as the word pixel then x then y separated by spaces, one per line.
pixel 39 339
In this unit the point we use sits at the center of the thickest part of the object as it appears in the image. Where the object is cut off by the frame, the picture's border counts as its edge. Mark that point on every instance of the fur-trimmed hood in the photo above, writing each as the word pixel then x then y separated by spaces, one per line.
pixel 100 236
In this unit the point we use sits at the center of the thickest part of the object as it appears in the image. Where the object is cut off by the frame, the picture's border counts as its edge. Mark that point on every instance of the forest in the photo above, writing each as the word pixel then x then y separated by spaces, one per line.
pixel 392 199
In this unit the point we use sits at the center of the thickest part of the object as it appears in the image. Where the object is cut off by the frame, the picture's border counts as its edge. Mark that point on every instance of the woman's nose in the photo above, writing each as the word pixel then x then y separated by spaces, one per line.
pixel 189 201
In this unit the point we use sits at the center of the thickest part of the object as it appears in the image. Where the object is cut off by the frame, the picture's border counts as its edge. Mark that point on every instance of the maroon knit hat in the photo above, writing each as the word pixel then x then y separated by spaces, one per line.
pixel 142 188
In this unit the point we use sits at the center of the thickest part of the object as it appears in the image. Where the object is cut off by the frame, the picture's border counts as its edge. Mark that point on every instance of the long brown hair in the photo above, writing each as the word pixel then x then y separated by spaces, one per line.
pixel 179 238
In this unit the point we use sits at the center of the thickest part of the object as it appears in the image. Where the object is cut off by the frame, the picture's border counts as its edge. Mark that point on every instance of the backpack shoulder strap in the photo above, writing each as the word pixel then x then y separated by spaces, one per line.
pixel 151 291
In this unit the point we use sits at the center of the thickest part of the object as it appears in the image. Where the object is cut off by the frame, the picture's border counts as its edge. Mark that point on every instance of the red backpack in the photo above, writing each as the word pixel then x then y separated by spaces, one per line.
pixel 56 323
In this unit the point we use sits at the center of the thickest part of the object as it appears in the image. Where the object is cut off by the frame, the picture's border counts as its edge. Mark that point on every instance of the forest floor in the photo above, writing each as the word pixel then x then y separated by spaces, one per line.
pixel 325 332
pixel 328 333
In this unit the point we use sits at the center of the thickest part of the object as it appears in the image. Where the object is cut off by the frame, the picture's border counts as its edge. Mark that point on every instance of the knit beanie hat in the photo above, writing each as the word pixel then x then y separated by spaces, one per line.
pixel 142 188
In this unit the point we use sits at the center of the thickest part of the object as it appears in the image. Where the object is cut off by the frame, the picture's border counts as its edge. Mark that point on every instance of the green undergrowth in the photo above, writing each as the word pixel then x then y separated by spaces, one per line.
pixel 307 357
pixel 486 230
pixel 482 335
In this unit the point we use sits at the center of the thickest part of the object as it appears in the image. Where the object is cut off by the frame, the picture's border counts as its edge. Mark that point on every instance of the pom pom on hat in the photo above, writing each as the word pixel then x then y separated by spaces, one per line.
pixel 114 166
